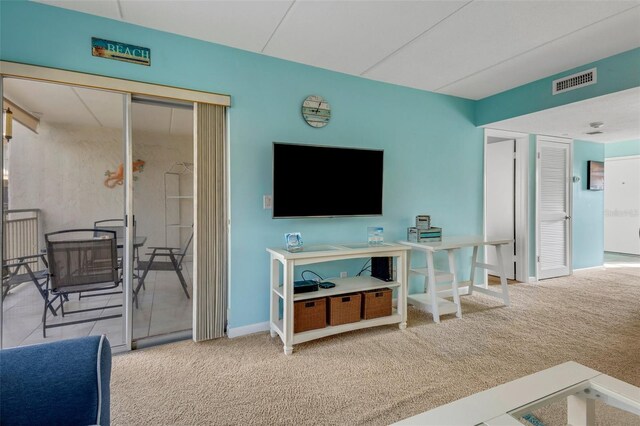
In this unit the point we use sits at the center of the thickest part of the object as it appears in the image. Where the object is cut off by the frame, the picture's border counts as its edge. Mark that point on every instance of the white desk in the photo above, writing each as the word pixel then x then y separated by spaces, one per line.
pixel 504 404
pixel 283 290
pixel 429 300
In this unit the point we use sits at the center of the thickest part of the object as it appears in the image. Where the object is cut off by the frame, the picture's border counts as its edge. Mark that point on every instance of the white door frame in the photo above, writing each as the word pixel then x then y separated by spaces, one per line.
pixel 521 198
pixel 569 202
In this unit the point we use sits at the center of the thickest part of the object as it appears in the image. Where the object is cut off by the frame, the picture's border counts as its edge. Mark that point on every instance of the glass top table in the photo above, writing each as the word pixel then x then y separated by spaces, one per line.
pixel 506 404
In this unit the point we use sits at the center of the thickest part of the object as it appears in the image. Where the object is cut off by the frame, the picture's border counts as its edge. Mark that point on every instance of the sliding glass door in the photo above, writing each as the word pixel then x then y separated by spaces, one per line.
pixel 163 183
pixel 107 167
pixel 63 170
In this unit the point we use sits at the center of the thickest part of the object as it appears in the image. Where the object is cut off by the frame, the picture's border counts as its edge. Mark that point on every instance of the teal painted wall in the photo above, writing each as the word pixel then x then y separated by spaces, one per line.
pixel 433 151
pixel 615 73
pixel 622 148
pixel 588 208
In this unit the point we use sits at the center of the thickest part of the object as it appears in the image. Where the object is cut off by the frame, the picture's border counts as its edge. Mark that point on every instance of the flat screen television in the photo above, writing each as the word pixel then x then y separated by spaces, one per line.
pixel 326 181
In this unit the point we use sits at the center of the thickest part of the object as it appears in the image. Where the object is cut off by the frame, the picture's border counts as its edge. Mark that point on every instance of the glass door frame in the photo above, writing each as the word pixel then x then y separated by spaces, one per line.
pixel 129 219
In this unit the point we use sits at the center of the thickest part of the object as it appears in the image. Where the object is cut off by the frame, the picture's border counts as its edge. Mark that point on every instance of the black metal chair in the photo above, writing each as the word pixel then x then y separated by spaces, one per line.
pixel 174 256
pixel 81 260
pixel 20 270
pixel 117 225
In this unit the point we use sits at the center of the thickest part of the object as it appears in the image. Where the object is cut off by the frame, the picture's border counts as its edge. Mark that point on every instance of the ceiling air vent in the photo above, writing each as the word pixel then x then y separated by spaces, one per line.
pixel 575 81
pixel 595 132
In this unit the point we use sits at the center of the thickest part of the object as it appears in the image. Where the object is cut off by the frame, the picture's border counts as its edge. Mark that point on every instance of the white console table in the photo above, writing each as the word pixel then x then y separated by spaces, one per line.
pixel 504 404
pixel 429 300
pixel 281 287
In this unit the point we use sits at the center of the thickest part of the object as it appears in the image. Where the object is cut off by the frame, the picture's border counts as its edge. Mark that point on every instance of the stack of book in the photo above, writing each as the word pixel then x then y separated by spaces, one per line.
pixel 423 232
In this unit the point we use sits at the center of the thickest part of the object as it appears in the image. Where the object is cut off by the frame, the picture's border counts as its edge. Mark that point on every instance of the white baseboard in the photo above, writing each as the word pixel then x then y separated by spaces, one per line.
pixel 248 329
pixel 532 280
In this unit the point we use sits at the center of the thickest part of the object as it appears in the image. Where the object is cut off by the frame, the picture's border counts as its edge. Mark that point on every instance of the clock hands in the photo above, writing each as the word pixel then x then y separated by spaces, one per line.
pixel 312 115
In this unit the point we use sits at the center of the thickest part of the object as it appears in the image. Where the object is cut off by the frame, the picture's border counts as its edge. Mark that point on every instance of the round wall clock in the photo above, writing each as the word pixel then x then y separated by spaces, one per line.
pixel 316 111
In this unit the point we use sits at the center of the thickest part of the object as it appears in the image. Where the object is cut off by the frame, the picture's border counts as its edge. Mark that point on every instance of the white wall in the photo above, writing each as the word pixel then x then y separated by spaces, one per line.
pixel 62 169
pixel 622 205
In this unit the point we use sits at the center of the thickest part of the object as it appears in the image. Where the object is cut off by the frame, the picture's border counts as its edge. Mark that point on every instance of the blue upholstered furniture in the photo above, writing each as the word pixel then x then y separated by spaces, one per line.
pixel 59 383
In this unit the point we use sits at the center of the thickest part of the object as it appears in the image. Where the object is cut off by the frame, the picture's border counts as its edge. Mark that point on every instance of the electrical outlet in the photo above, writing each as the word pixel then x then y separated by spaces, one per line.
pixel 343 275
pixel 267 202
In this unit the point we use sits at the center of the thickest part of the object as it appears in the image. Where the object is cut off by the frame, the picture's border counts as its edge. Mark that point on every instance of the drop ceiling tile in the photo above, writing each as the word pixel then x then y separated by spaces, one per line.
pixel 151 118
pixel 351 36
pixel 585 46
pixel 106 8
pixel 52 103
pixel 484 33
pixel 182 122
pixel 242 24
pixel 107 107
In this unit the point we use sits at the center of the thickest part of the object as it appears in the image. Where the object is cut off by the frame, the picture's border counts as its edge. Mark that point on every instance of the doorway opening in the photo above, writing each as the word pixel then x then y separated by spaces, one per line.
pixel 506 200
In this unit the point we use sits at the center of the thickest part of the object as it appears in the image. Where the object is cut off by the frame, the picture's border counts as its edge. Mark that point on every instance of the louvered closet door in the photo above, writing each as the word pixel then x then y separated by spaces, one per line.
pixel 553 201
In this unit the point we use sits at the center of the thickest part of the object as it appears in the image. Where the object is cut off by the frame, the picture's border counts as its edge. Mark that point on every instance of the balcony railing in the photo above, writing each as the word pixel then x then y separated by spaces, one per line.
pixel 21 230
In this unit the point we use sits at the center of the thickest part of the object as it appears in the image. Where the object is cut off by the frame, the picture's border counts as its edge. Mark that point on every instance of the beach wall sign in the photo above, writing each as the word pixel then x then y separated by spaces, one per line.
pixel 120 51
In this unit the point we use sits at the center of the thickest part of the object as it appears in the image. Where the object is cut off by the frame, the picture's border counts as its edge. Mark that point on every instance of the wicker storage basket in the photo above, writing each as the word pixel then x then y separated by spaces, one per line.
pixel 344 309
pixel 376 303
pixel 309 314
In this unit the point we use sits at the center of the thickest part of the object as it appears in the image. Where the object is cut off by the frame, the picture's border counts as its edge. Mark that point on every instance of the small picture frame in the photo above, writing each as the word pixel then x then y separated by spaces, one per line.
pixel 595 175
pixel 293 241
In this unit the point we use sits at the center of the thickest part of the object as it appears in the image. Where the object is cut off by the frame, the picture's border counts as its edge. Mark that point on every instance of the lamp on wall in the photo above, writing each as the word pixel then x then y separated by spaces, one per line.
pixel 8 124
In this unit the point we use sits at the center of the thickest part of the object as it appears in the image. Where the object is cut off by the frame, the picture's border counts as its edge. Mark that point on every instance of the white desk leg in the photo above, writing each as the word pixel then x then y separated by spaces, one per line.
pixel 580 411
pixel 474 265
pixel 431 287
pixel 402 277
pixel 287 321
pixel 275 282
pixel 503 276
pixel 454 282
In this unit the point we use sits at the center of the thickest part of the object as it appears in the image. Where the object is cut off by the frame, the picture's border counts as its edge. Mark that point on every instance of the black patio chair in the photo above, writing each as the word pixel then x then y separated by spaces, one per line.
pixel 173 262
pixel 20 270
pixel 81 260
pixel 117 225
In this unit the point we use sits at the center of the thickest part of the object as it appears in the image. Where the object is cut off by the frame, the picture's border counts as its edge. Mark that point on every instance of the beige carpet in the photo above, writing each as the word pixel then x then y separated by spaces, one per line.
pixel 381 375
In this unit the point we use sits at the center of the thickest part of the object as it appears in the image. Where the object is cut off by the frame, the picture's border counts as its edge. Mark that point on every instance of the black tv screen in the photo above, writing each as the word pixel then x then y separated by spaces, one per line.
pixel 325 181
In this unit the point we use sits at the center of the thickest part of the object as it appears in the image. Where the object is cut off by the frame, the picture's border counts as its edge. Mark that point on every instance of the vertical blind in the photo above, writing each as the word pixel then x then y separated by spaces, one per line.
pixel 210 291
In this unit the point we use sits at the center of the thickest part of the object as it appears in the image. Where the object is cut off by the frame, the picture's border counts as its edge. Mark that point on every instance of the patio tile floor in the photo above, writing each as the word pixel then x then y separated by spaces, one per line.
pixel 163 308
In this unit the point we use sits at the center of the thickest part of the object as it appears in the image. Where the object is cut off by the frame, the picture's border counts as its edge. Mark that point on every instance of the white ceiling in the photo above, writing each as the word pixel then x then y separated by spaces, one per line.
pixel 471 49
pixel 620 113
